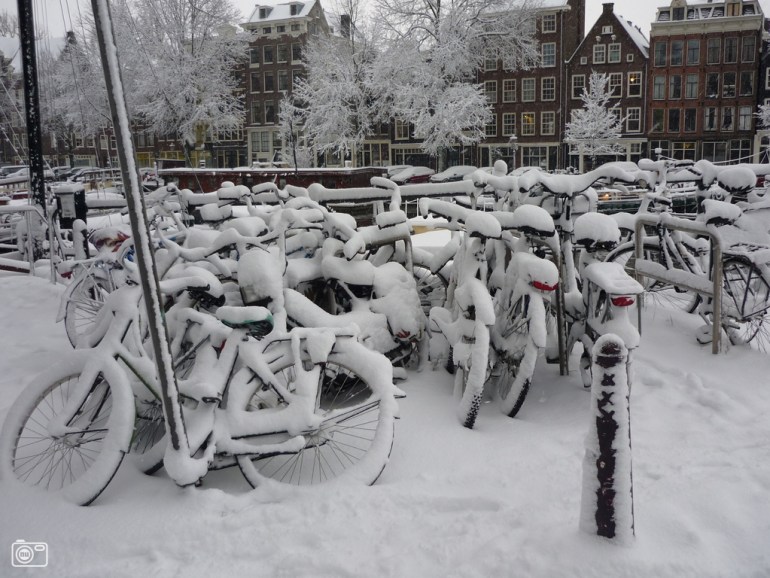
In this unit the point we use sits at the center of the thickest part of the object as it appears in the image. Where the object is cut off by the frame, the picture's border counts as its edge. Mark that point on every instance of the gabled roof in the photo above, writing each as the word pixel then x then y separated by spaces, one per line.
pixel 641 41
pixel 633 31
pixel 274 11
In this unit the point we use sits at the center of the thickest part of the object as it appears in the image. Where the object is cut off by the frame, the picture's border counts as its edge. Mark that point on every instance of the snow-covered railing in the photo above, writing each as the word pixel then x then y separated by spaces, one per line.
pixel 322 195
pixel 711 288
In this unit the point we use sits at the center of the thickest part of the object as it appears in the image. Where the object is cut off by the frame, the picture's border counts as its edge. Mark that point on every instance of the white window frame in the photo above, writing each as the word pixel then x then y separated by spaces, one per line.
pixel 582 77
pixel 552 122
pixel 490 129
pixel 614 48
pixel 525 82
pixel 618 84
pixel 634 113
pixel 551 46
pixel 490 91
pixel 490 61
pixel 401 130
pixel 551 20
pixel 600 54
pixel 552 89
pixel 532 128
pixel 509 94
pixel 511 124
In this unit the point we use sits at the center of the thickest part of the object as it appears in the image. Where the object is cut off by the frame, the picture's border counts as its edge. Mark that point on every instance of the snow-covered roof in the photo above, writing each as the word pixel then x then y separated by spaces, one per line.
pixel 550 4
pixel 707 10
pixel 272 11
pixel 635 33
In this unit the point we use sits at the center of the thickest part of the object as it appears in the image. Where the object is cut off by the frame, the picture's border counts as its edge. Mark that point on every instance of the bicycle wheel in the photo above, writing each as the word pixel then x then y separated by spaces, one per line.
pixel 431 288
pixel 745 301
pixel 355 436
pixel 81 463
pixel 511 377
pixel 84 303
pixel 661 294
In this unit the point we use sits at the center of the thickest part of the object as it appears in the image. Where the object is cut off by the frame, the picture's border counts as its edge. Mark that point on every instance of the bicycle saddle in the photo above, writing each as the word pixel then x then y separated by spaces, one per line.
pixel 257 321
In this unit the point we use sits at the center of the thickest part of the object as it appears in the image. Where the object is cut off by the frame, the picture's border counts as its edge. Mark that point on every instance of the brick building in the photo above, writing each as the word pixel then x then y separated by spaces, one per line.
pixel 703 79
pixel 530 103
pixel 615 47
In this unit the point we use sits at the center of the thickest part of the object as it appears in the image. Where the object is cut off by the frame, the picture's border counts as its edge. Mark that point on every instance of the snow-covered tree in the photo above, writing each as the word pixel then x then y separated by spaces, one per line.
pixel 9 25
pixel 763 115
pixel 336 96
pixel 595 129
pixel 426 73
pixel 290 126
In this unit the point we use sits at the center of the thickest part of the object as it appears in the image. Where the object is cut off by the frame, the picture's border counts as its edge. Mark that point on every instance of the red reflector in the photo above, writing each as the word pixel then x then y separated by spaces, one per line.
pixel 540 286
pixel 623 301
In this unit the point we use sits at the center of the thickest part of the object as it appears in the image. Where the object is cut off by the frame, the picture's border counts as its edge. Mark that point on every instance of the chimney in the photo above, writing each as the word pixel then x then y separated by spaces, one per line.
pixel 607 7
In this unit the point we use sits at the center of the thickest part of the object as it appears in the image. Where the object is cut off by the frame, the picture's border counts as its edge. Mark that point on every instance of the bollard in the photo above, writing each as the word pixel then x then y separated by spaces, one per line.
pixel 607 507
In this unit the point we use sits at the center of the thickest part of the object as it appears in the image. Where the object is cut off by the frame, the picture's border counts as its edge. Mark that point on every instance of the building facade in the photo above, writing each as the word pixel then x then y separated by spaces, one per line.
pixel 703 81
pixel 529 105
pixel 617 48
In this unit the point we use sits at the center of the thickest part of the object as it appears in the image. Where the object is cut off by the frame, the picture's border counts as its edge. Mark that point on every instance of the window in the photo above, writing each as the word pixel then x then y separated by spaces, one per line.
pixel 254 56
pixel 657 120
pixel 295 9
pixel 267 54
pixel 615 84
pixel 509 123
pixel 578 84
pixel 748 48
pixel 744 118
pixel 402 130
pixel 715 152
pixel 269 82
pixel 673 120
pixel 731 50
pixel 283 53
pixel 675 87
pixel 629 57
pixel 683 150
pixel 255 84
pixel 740 149
pixel 267 30
pixel 280 29
pixel 693 51
pixel 528 89
pixel 490 91
pixel 490 61
pixel 256 112
pixel 103 142
pixel 767 78
pixel 690 116
pixel 549 54
pixel 712 51
pixel 747 83
pixel 548 88
pixel 691 86
pixel 660 54
pixel 491 128
pixel 296 52
pixel 677 47
pixel 269 112
pixel 263 12
pixel 509 90
pixel 600 53
pixel 528 123
pixel 712 85
pixel 548 23
pixel 710 118
pixel 633 119
pixel 295 27
pixel 283 80
pixel 607 29
pixel 260 141
pixel 583 60
pixel 634 84
pixel 296 76
pixel 728 85
pixel 728 118
pixel 547 123
pixel 613 55
pixel 659 88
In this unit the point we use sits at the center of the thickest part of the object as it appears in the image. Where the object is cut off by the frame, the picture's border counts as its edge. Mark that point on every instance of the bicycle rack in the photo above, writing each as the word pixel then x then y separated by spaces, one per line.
pixel 27 211
pixel 708 288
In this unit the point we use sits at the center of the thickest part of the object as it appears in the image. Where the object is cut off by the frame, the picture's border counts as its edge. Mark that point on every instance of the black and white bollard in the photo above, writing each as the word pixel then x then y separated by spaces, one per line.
pixel 607 507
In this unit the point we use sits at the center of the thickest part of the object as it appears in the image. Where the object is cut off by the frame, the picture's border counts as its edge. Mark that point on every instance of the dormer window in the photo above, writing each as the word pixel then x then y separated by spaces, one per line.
pixel 264 12
pixel 295 8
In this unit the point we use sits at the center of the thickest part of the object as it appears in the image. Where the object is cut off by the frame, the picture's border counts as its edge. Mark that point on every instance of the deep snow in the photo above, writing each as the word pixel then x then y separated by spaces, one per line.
pixel 500 500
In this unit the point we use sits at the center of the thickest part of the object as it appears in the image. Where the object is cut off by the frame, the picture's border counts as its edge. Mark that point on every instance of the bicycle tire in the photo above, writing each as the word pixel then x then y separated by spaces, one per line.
pixel 83 306
pixel 745 298
pixel 356 380
pixel 662 294
pixel 515 366
pixel 77 466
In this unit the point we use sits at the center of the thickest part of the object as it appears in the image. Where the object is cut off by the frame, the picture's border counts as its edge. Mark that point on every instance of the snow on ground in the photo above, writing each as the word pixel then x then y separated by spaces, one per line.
pixel 500 500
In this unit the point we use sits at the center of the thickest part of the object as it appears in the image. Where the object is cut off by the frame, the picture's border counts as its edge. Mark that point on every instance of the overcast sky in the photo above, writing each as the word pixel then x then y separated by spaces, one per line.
pixel 640 12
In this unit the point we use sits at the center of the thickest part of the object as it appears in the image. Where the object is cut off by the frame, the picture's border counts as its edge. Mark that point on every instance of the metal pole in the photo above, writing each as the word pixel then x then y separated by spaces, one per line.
pixel 139 229
pixel 31 103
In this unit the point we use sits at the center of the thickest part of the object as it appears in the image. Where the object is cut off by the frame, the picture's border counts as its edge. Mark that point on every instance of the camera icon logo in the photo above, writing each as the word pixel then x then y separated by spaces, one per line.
pixel 29 554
